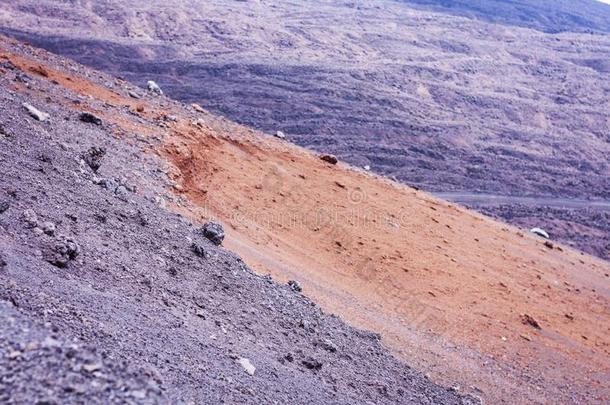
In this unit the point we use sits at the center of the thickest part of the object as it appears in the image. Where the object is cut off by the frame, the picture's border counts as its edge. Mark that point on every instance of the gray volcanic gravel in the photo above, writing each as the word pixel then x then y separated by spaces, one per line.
pixel 130 314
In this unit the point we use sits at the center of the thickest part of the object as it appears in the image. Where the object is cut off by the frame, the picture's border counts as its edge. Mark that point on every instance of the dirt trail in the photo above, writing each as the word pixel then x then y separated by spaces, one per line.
pixel 494 199
pixel 470 301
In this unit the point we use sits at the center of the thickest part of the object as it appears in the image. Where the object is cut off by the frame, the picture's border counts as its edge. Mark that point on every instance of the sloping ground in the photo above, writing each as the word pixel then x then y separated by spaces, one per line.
pixel 442 102
pixel 448 289
pixel 467 300
pixel 104 300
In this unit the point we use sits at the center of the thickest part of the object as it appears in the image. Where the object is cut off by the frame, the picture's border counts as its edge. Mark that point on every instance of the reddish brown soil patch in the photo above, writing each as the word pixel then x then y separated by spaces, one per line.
pixel 447 288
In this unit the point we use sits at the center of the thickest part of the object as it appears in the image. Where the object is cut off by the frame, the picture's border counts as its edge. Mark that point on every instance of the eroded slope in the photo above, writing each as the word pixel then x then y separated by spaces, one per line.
pixel 468 300
pixel 103 298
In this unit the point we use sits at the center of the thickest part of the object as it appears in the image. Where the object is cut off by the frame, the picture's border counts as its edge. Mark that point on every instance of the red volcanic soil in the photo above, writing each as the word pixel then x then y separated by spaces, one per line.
pixel 466 299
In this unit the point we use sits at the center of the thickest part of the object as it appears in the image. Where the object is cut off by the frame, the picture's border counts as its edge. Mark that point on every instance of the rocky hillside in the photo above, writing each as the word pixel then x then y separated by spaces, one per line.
pixel 107 296
pixel 105 187
pixel 441 102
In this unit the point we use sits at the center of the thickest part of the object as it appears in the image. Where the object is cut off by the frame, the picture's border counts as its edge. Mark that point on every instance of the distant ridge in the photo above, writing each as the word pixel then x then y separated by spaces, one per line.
pixel 550 16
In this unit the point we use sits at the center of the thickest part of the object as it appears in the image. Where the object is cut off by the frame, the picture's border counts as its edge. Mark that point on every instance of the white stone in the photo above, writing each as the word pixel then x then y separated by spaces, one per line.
pixel 247 365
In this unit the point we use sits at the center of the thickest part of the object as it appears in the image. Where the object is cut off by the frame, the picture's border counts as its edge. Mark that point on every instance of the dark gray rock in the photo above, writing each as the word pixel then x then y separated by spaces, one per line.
pixel 328 345
pixel 295 286
pixel 48 228
pixel 214 232
pixel 61 251
pixel 121 192
pixel 200 250
pixel 4 205
pixel 332 159
pixel 90 118
pixel 312 363
pixel 94 156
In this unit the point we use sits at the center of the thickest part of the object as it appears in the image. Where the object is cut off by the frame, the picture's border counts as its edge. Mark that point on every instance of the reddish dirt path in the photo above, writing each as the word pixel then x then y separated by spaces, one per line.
pixel 447 288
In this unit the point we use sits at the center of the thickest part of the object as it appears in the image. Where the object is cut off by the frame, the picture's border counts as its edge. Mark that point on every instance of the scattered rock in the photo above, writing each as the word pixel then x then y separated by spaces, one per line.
pixel 36 113
pixel 332 159
pixel 305 324
pixel 7 64
pixel 529 320
pixel 280 134
pixel 90 118
pixel 328 345
pixel 93 157
pixel 200 250
pixel 367 167
pixel 138 394
pixel 4 205
pixel 199 123
pixel 312 364
pixel 197 107
pixel 247 365
pixel 39 70
pixel 62 251
pixel 121 192
pixel 214 232
pixel 48 228
pixel 23 78
pixel 540 232
pixel 30 218
pixel 549 244
pixel 133 94
pixel 2 262
pixel 118 187
pixel 154 87
pixel 295 286
pixel 93 367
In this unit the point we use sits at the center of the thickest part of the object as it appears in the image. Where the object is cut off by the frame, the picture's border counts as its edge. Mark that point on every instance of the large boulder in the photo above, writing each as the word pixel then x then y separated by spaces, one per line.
pixel 214 232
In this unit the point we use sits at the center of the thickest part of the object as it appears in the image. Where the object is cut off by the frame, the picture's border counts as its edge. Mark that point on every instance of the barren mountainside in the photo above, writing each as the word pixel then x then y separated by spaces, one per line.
pixel 105 187
pixel 161 242
pixel 108 296
pixel 438 100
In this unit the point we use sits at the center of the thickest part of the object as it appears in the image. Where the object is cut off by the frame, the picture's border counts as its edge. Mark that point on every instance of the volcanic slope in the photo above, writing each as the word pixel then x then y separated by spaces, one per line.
pixel 106 297
pixel 473 303
pixel 442 102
